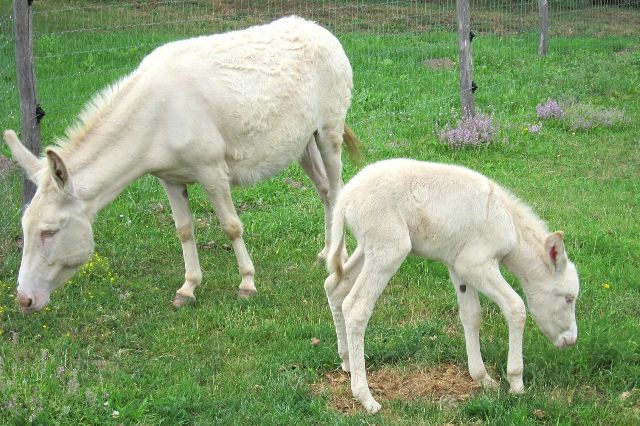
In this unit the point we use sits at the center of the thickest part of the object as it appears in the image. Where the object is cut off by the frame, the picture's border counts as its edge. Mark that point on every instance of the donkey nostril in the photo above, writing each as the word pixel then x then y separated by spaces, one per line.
pixel 25 301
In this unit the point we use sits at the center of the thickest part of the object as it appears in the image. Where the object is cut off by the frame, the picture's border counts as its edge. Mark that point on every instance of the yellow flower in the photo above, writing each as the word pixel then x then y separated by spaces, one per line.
pixel 606 285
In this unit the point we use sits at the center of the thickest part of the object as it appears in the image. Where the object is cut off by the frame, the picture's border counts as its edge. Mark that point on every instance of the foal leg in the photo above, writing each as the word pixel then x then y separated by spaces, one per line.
pixel 329 143
pixel 183 219
pixel 470 316
pixel 378 268
pixel 337 290
pixel 487 279
pixel 219 192
pixel 313 166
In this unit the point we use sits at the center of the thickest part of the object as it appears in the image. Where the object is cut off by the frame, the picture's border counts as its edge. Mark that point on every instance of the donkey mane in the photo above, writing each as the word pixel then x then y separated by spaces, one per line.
pixel 94 110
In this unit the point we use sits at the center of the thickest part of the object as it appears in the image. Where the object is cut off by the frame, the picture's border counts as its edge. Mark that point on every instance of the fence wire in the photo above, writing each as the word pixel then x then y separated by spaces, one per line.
pixel 82 46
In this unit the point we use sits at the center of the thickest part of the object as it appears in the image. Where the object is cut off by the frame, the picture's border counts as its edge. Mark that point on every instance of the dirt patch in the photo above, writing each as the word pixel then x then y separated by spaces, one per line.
pixel 628 50
pixel 439 63
pixel 445 384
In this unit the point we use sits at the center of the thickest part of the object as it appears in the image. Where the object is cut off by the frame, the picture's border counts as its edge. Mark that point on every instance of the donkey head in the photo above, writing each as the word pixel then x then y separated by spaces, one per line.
pixel 552 296
pixel 57 232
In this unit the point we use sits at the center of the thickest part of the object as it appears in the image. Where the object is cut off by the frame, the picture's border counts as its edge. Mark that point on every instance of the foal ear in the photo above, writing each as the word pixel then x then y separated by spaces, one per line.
pixel 555 252
pixel 25 158
pixel 58 169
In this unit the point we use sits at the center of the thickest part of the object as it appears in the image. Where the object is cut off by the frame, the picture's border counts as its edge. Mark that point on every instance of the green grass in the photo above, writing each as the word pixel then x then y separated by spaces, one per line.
pixel 109 340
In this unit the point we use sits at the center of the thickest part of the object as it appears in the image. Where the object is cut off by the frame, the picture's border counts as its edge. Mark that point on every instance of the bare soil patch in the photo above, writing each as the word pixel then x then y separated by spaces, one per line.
pixel 439 63
pixel 445 384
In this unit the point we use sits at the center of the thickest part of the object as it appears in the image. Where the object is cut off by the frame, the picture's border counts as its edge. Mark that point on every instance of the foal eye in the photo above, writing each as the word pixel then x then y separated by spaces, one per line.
pixel 569 299
pixel 47 235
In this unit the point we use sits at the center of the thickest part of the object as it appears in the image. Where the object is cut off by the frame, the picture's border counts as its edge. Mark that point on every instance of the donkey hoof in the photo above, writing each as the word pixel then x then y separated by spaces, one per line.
pixel 246 293
pixel 181 300
pixel 517 390
pixel 321 258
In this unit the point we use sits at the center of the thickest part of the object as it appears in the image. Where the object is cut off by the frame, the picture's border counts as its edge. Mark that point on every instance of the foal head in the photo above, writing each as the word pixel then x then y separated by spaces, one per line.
pixel 57 232
pixel 552 297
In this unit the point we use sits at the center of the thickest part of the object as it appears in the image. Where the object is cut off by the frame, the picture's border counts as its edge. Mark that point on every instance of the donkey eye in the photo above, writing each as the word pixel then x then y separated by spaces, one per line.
pixel 47 235
pixel 569 299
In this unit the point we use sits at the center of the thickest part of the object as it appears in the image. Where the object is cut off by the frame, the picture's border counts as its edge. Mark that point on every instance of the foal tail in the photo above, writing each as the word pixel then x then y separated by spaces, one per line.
pixel 353 144
pixel 334 257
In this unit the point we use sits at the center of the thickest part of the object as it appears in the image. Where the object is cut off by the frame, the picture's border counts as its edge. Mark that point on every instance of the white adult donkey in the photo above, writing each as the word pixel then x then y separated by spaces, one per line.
pixel 222 110
pixel 463 219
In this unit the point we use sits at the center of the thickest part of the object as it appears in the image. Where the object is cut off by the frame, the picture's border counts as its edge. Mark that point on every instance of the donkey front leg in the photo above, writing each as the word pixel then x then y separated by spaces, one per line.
pixel 219 193
pixel 183 218
pixel 470 316
pixel 487 279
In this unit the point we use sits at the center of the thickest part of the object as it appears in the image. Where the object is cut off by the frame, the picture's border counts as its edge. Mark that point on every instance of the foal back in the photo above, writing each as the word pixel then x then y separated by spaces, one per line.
pixel 436 208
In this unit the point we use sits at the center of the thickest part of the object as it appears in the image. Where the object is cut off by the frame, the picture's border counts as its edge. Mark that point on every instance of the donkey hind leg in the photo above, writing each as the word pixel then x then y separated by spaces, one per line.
pixel 329 146
pixel 313 166
pixel 337 290
pixel 183 219
pixel 357 308
pixel 470 316
pixel 219 192
pixel 487 279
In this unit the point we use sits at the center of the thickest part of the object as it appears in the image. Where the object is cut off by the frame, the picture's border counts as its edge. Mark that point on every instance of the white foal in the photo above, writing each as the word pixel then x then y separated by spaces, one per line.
pixel 465 220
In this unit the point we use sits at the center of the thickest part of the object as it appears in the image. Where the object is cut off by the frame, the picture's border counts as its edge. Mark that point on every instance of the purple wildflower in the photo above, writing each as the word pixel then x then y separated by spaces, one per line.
pixel 470 131
pixel 549 109
pixel 581 116
pixel 534 128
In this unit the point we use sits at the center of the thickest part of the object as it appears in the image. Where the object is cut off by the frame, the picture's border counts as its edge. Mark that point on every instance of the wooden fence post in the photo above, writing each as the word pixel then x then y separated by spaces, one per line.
pixel 543 14
pixel 30 112
pixel 466 63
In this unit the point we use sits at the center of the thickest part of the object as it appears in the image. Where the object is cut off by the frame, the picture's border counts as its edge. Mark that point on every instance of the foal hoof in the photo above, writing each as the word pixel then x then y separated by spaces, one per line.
pixel 372 406
pixel 180 300
pixel 245 294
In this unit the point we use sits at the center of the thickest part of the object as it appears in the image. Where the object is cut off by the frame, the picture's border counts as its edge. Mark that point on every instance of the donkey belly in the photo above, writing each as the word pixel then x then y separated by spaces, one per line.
pixel 266 158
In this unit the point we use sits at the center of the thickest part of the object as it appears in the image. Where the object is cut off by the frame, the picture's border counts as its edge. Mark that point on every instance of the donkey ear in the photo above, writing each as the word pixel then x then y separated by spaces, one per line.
pixel 25 158
pixel 58 169
pixel 554 251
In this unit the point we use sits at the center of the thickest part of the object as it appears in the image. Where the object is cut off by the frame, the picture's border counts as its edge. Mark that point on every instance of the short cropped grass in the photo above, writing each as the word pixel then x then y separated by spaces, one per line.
pixel 110 350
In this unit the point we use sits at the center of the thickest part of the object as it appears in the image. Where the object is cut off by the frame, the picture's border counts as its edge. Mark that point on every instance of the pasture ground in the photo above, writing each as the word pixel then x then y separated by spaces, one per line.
pixel 110 350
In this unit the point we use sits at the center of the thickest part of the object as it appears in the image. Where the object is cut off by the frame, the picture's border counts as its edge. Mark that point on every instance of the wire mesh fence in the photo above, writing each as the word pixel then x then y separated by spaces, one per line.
pixel 81 46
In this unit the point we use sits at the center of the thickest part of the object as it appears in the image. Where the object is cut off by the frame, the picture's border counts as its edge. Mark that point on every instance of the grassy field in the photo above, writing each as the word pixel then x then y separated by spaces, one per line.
pixel 110 350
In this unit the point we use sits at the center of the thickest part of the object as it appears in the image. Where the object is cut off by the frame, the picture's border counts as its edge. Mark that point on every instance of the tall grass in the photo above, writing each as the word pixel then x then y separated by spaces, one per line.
pixel 109 349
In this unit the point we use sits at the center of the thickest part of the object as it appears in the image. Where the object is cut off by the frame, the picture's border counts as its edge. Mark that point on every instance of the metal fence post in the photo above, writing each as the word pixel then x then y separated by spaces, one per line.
pixel 466 63
pixel 30 112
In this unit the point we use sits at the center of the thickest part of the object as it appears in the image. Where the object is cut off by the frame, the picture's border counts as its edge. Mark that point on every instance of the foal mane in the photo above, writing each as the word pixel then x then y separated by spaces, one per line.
pixel 529 224
pixel 94 110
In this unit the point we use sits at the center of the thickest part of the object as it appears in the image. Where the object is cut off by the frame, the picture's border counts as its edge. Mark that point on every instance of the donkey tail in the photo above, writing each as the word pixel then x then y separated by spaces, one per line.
pixel 334 257
pixel 353 144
